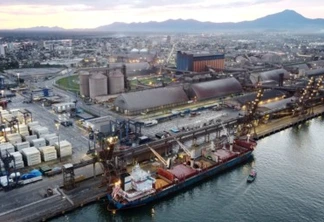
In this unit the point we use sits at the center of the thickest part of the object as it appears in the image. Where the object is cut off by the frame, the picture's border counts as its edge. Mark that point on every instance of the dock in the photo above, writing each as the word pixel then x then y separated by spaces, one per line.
pixel 29 204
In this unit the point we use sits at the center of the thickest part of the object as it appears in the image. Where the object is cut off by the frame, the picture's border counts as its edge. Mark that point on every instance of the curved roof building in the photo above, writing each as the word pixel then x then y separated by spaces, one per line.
pixel 216 88
pixel 274 75
pixel 136 102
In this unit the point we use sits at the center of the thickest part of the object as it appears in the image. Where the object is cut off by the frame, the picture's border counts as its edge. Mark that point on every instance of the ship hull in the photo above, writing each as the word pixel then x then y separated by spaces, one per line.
pixel 182 185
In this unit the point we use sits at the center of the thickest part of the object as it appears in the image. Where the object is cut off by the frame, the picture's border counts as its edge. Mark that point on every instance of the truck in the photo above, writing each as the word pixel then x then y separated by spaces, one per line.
pixel 31 177
pixel 150 123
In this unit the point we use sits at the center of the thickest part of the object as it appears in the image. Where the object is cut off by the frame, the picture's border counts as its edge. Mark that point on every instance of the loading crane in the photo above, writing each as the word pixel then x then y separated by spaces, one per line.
pixel 250 116
pixel 169 56
pixel 166 163
pixel 308 94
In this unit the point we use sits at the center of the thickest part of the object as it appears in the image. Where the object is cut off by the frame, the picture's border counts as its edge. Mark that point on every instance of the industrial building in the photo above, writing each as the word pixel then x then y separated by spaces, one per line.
pixel 198 62
pixel 276 75
pixel 214 89
pixel 148 100
pixel 101 83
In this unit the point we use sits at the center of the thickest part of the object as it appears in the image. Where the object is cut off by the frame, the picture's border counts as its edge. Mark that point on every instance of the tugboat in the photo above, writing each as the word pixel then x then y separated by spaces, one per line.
pixel 251 176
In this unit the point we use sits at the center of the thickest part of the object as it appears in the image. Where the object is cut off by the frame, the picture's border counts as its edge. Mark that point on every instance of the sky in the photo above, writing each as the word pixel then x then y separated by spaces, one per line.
pixel 93 13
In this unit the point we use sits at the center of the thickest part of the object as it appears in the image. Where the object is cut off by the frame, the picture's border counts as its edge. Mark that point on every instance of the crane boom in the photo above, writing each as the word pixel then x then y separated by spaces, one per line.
pixel 158 156
pixel 187 151
pixel 169 56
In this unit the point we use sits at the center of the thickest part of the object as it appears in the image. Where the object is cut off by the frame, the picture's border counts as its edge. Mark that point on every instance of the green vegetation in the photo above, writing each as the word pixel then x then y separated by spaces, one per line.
pixel 149 81
pixel 70 83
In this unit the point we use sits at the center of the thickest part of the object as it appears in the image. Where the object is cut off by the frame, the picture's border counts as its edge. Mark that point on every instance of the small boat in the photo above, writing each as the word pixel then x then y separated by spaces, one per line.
pixel 251 176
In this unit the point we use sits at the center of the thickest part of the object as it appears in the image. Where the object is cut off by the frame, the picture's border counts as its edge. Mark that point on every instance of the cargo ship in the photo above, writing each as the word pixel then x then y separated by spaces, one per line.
pixel 139 187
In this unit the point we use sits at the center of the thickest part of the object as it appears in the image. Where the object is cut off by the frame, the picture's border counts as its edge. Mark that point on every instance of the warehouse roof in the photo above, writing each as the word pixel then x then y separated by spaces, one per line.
pixel 268 94
pixel 279 104
pixel 216 88
pixel 146 99
pixel 274 74
pixel 315 72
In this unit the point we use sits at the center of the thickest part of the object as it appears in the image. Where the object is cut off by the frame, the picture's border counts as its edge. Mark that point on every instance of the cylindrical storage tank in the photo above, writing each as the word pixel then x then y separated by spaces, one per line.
pixel 98 85
pixel 116 82
pixel 84 84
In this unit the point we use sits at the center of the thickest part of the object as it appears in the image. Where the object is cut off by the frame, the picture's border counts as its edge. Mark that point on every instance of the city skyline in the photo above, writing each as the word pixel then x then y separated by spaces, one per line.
pixel 85 14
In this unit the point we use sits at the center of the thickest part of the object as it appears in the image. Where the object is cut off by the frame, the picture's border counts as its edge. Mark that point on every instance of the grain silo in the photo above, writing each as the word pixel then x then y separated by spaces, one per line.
pixel 97 85
pixel 116 82
pixel 84 84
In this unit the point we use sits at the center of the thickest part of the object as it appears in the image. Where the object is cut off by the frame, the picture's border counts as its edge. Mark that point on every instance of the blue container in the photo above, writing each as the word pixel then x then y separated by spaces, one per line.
pixel 46 92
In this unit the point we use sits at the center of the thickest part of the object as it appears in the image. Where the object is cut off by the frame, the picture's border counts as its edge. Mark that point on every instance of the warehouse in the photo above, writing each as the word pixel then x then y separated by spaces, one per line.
pixel 148 100
pixel 269 96
pixel 198 62
pixel 214 89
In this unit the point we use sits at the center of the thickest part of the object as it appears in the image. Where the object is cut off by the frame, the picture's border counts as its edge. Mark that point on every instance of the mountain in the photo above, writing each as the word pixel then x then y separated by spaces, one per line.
pixel 42 29
pixel 287 20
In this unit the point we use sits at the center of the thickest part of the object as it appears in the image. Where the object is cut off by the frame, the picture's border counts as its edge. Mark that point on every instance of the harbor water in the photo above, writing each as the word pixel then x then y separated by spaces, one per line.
pixel 288 187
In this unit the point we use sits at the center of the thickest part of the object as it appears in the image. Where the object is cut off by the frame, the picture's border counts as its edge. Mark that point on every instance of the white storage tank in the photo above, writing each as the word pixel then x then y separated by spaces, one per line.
pixel 22 145
pixel 48 153
pixel 116 82
pixel 38 142
pixel 84 84
pixel 64 148
pixel 31 156
pixel 98 85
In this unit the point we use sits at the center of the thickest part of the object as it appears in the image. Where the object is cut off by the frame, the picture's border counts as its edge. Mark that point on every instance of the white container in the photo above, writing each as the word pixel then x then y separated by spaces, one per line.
pixel 30 138
pixel 17 156
pixel 20 164
pixel 49 135
pixel 34 123
pixel 64 149
pixel 41 131
pixel 38 142
pixel 33 129
pixel 24 133
pixel 22 145
pixel 48 153
pixel 4 147
pixel 50 141
pixel 14 138
pixel 31 156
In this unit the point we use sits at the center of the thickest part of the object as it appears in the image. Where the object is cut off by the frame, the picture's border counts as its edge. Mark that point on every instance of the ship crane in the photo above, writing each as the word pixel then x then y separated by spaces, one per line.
pixel 230 138
pixel 166 163
pixel 186 150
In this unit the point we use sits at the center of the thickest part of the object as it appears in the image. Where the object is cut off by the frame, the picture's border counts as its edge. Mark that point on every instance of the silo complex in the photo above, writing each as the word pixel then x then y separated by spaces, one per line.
pixel 116 82
pixel 98 85
pixel 84 84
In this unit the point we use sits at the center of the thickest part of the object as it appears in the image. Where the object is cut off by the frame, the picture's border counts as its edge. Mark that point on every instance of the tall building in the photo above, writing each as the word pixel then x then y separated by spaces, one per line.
pixel 198 62
pixel 2 51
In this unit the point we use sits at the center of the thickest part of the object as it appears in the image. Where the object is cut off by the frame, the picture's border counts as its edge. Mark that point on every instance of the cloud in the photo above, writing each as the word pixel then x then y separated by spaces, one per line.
pixel 115 4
